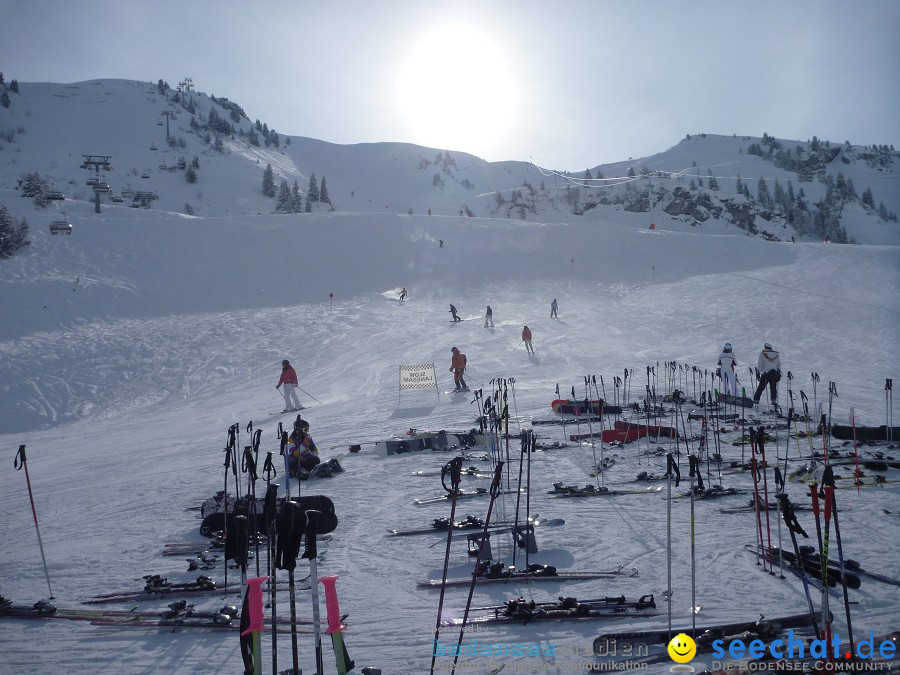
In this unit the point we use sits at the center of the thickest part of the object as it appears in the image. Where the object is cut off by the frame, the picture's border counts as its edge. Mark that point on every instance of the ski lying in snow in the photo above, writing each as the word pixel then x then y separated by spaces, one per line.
pixel 744 402
pixel 440 525
pixel 500 573
pixel 157 587
pixel 595 406
pixel 216 545
pixel 479 492
pixel 175 610
pixel 714 492
pixel 564 608
pixel 203 624
pixel 603 642
pixel 852 567
pixel 591 490
pixel 812 564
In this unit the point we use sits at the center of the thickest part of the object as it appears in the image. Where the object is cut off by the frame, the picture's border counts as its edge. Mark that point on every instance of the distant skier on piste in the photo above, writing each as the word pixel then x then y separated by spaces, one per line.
pixel 727 371
pixel 453 313
pixel 403 295
pixel 526 338
pixel 769 366
pixel 289 380
pixel 489 317
pixel 458 367
pixel 554 307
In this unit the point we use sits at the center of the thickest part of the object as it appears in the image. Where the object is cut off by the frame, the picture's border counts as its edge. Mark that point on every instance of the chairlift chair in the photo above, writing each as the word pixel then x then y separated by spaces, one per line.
pixel 60 226
pixel 101 187
pixel 153 147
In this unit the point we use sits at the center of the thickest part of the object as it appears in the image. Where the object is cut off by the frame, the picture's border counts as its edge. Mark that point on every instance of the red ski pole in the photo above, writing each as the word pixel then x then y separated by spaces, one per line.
pixel 19 462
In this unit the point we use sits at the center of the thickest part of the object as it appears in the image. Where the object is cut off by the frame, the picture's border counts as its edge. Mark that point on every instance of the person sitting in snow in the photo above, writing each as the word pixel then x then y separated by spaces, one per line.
pixel 304 455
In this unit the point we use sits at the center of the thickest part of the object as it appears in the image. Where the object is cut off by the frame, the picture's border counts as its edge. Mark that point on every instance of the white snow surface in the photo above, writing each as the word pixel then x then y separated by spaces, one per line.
pixel 128 348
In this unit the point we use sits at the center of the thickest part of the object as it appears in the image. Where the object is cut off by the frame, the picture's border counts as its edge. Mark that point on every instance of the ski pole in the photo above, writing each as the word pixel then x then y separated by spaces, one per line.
pixel 269 512
pixel 518 345
pixel 753 468
pixel 22 461
pixel 310 553
pixel 336 626
pixel 889 408
pixel 793 526
pixel 308 394
pixel 495 491
pixel 695 473
pixel 855 450
pixel 823 558
pixel 828 481
pixel 454 468
pixel 524 449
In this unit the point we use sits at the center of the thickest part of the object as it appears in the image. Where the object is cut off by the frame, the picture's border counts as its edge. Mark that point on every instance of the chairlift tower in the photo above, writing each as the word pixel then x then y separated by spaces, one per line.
pixel 96 162
pixel 169 115
pixel 187 84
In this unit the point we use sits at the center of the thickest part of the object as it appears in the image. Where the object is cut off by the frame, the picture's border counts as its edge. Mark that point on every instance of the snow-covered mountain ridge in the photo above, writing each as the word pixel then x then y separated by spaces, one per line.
pixel 812 188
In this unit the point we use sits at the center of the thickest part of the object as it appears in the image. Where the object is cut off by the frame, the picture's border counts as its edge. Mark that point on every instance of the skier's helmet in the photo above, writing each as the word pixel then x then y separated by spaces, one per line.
pixel 285 363
pixel 727 346
pixel 767 346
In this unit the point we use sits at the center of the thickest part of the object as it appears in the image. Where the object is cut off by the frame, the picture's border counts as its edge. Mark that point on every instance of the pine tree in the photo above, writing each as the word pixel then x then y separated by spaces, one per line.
pixel 711 181
pixel 7 233
pixel 739 185
pixel 14 86
pixel 868 199
pixel 323 193
pixel 307 206
pixel 284 204
pixel 312 191
pixel 21 236
pixel 762 194
pixel 631 172
pixel 268 181
pixel 587 174
pixel 190 175
pixel 4 99
pixel 883 212
pixel 296 199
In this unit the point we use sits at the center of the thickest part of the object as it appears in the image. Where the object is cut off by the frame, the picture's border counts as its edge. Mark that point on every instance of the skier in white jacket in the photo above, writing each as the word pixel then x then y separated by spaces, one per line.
pixel 727 371
pixel 769 366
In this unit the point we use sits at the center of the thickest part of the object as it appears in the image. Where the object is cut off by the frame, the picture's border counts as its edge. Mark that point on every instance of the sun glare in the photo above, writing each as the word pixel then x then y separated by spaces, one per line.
pixel 456 91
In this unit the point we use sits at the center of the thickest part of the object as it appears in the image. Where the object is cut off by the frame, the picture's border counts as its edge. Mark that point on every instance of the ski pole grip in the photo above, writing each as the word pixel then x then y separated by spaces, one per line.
pixel 332 608
pixel 254 605
pixel 829 498
pixel 19 461
pixel 814 494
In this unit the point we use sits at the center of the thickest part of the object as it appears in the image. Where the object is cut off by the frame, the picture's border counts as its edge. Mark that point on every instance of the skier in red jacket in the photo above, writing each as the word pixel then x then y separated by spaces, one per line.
pixel 526 338
pixel 289 380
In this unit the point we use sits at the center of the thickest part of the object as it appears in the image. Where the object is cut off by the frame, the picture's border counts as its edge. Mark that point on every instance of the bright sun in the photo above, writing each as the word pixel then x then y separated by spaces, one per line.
pixel 456 91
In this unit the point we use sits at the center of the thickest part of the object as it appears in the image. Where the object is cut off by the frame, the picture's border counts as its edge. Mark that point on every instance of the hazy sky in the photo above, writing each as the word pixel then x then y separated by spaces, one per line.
pixel 567 84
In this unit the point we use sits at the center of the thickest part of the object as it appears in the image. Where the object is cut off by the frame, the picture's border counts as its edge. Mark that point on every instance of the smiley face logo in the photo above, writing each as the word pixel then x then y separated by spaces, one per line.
pixel 682 648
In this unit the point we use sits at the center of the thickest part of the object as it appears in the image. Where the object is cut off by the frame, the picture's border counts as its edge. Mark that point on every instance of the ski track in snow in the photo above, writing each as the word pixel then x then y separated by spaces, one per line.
pixel 125 420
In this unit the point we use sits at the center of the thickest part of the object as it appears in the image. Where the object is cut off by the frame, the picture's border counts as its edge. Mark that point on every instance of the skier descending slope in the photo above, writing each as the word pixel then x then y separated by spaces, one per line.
pixel 458 367
pixel 289 380
pixel 526 338
pixel 727 366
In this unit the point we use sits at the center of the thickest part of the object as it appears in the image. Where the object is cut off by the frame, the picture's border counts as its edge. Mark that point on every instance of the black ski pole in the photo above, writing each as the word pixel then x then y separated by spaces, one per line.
pixel 311 553
pixel 761 446
pixel 524 449
pixel 290 527
pixel 249 467
pixel 269 513
pixel 828 482
pixel 495 491
pixel 793 526
pixel 889 408
pixel 225 503
pixel 19 462
pixel 823 556
pixel 454 468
